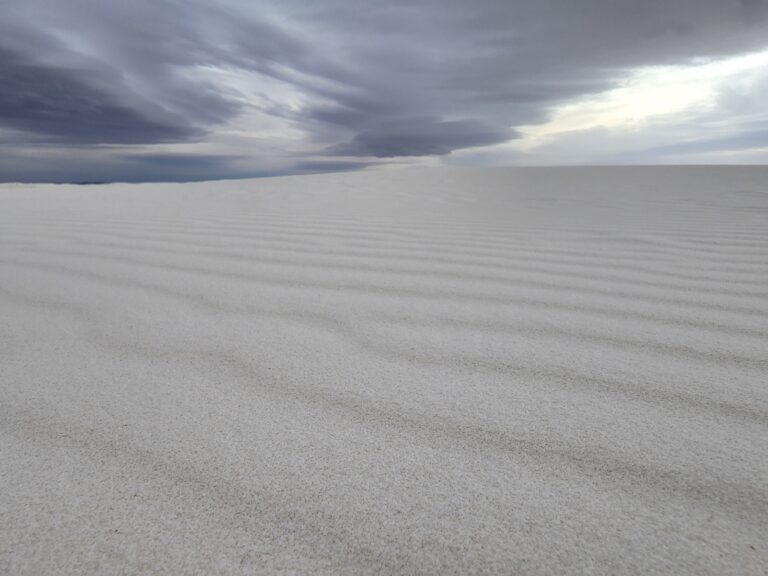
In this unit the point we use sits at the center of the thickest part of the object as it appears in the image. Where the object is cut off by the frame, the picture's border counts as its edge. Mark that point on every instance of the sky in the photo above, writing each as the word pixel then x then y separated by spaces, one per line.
pixel 175 90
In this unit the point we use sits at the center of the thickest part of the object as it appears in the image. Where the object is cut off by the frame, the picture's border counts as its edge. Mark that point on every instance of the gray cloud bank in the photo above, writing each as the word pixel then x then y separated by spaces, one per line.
pixel 377 80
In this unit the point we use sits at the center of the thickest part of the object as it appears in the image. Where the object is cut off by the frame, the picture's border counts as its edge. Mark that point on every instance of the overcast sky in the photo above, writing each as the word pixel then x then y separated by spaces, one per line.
pixel 94 90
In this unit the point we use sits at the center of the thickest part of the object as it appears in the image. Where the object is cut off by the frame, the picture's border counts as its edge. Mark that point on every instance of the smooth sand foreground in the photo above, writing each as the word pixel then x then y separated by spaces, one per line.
pixel 533 371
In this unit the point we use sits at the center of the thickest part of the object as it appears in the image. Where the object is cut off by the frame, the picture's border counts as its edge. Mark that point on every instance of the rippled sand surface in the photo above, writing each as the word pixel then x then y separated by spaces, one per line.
pixel 530 371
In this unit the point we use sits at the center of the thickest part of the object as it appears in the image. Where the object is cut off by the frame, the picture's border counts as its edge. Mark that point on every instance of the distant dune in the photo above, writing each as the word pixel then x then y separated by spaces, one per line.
pixel 517 371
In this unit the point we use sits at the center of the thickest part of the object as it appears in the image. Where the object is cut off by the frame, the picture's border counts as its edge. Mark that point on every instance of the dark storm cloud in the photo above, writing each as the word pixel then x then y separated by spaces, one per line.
pixel 401 78
pixel 321 166
pixel 57 104
pixel 477 68
pixel 113 72
pixel 422 136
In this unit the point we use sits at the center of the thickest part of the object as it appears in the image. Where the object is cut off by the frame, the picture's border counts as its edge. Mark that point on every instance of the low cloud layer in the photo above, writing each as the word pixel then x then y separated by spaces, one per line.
pixel 272 88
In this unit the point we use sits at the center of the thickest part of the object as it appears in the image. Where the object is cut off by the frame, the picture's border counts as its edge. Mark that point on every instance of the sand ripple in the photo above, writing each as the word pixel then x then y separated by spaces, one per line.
pixel 441 371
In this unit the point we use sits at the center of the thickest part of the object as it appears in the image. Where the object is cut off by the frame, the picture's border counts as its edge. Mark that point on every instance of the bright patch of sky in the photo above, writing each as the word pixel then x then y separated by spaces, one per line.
pixel 649 95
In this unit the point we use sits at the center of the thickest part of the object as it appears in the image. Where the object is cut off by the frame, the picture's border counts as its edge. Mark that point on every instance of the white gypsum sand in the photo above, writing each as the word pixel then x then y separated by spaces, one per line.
pixel 517 371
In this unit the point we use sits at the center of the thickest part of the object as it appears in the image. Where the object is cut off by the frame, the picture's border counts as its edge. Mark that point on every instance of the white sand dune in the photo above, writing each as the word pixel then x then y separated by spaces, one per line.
pixel 523 371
